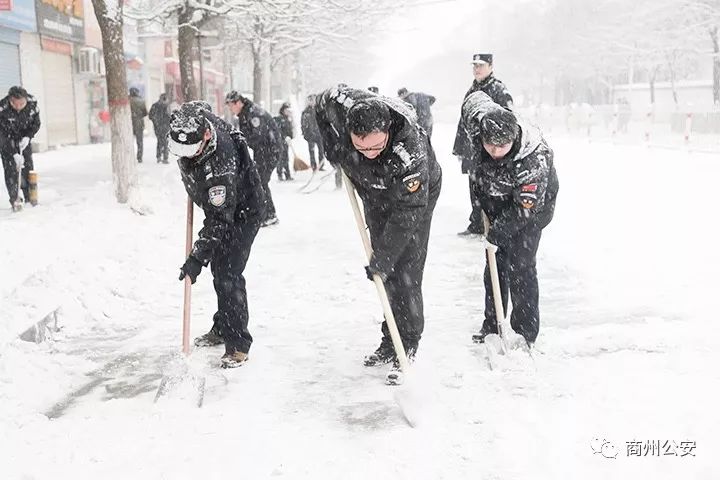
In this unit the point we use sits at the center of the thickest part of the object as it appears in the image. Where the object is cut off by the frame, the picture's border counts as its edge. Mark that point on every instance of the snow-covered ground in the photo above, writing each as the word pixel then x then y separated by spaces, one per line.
pixel 627 351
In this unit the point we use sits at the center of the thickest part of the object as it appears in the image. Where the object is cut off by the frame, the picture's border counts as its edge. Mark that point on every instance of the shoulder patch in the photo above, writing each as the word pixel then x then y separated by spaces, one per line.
pixel 217 195
pixel 255 121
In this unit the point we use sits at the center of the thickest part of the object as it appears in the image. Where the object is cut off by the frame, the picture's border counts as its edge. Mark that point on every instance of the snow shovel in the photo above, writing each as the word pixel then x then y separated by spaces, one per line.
pixel 404 403
pixel 298 163
pixel 179 372
pixel 497 294
pixel 19 164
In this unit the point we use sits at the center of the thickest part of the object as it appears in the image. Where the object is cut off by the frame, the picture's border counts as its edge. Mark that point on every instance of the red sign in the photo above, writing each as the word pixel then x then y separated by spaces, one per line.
pixel 6 5
pixel 56 46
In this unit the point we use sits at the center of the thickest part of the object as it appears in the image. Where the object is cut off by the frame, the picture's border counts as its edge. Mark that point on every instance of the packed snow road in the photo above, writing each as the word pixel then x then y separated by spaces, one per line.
pixel 626 361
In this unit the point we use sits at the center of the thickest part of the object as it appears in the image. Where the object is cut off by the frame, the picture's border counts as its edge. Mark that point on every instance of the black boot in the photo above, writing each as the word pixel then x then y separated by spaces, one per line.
pixel 210 339
pixel 384 354
pixel 484 332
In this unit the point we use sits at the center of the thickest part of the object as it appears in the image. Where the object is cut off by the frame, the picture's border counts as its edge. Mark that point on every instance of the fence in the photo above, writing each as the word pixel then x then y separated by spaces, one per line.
pixel 696 128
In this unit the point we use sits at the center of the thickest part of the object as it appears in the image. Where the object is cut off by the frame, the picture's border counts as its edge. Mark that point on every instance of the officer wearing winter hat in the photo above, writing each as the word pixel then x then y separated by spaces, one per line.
pixel 389 160
pixel 265 140
pixel 220 176
pixel 484 81
pixel 517 186
pixel 19 123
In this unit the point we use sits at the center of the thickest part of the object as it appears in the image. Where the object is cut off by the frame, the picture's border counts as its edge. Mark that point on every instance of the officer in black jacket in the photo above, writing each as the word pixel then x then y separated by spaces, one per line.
pixel 422 103
pixel 517 185
pixel 160 117
pixel 285 125
pixel 19 123
pixel 390 162
pixel 311 133
pixel 264 138
pixel 221 178
pixel 485 81
pixel 138 112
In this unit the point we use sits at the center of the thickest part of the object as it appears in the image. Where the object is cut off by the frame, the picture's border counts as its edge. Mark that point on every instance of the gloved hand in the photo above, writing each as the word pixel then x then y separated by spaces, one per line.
pixel 492 248
pixel 24 142
pixel 191 268
pixel 370 271
pixel 19 161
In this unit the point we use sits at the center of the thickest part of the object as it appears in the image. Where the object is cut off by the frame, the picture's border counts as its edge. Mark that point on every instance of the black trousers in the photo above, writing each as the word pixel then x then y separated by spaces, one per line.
pixel 404 284
pixel 283 168
pixel 518 277
pixel 321 153
pixel 266 162
pixel 227 265
pixel 476 222
pixel 161 152
pixel 11 174
pixel 139 140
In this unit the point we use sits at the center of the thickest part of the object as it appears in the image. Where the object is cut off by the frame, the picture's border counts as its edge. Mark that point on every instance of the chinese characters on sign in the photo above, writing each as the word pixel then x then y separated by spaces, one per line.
pixel 62 19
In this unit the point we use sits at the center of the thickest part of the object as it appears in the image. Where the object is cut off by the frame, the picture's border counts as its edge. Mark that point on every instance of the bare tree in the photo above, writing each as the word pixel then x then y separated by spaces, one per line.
pixel 109 14
pixel 188 16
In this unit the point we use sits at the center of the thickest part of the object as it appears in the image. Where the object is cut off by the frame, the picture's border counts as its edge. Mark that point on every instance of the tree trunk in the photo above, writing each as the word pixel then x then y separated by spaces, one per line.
pixel 186 45
pixel 110 21
pixel 653 77
pixel 714 34
pixel 673 87
pixel 258 78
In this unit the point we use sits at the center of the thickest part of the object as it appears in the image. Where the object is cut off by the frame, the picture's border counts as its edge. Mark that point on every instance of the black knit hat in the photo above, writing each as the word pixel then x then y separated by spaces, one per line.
pixel 499 127
pixel 187 130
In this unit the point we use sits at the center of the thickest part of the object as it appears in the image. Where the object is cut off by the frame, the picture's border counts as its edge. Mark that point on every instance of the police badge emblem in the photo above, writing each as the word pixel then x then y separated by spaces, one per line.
pixel 217 195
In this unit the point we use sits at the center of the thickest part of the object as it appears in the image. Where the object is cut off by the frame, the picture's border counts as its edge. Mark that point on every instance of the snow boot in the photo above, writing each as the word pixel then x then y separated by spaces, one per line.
pixel 384 354
pixel 210 339
pixel 396 376
pixel 480 336
pixel 233 358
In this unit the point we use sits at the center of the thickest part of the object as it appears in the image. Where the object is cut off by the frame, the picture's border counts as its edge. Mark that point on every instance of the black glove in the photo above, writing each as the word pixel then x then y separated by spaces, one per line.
pixel 191 268
pixel 370 271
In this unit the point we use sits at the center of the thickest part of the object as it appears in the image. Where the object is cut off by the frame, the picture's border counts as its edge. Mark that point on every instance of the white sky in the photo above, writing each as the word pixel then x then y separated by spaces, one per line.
pixel 418 34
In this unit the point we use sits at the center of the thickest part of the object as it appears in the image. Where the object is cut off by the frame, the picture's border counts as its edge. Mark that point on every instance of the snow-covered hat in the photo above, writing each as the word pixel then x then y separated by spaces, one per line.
pixel 499 127
pixel 480 58
pixel 187 130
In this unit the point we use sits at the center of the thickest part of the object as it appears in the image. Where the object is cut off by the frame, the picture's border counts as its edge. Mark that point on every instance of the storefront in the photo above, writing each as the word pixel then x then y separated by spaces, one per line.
pixel 60 31
pixel 15 17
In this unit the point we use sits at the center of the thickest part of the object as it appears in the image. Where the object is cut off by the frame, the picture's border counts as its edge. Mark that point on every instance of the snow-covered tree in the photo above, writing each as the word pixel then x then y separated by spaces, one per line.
pixel 109 14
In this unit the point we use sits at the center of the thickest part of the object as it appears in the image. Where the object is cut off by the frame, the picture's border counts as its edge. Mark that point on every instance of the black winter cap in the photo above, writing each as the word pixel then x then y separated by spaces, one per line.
pixel 499 127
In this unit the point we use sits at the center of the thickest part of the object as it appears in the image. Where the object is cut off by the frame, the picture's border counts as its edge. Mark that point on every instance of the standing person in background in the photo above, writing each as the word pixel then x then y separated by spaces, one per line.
pixel 484 81
pixel 138 112
pixel 311 133
pixel 422 103
pixel 160 117
pixel 19 123
pixel 263 137
pixel 285 124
